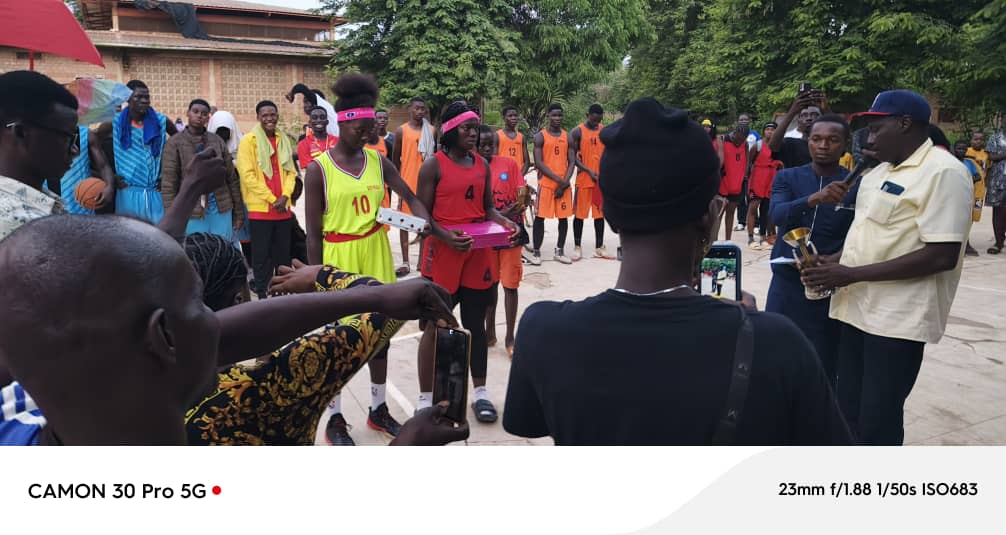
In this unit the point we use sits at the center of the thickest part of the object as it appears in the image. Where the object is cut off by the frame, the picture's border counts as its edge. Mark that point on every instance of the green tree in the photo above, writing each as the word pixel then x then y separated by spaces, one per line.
pixel 526 53
pixel 723 56
pixel 438 49
pixel 566 46
pixel 981 74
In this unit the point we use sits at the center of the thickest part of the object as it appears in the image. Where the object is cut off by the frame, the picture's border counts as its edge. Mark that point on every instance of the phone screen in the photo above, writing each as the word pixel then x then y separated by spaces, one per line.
pixel 719 272
pixel 450 379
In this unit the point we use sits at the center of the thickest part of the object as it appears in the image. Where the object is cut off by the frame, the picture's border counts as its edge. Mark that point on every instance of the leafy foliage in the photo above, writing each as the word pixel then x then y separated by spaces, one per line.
pixel 567 45
pixel 527 53
pixel 724 56
pixel 438 49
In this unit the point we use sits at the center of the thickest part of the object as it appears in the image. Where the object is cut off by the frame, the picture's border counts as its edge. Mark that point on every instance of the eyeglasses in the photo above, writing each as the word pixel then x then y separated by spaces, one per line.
pixel 73 138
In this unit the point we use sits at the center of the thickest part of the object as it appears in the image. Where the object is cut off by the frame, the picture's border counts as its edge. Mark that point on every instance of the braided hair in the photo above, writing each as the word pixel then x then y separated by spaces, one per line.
pixel 219 264
pixel 449 139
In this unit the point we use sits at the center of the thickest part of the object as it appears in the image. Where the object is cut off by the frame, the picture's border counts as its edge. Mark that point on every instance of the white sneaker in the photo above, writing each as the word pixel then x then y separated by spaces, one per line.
pixel 600 252
pixel 577 253
pixel 739 226
pixel 560 257
pixel 535 259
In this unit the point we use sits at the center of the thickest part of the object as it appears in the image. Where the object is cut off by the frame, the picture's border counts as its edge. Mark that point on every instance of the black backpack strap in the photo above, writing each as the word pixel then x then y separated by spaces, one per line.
pixel 740 380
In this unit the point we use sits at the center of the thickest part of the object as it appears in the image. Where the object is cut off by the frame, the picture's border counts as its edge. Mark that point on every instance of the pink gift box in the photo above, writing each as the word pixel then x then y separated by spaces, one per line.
pixel 485 234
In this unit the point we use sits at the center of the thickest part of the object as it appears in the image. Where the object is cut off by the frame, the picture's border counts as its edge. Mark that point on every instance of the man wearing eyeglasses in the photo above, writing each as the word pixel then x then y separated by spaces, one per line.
pixel 38 142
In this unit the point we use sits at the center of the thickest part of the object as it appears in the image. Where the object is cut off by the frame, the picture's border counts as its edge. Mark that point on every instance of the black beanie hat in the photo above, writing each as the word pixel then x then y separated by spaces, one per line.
pixel 659 169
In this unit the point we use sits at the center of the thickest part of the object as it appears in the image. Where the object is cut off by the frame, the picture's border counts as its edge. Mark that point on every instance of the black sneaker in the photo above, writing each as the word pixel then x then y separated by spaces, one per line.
pixel 337 432
pixel 380 420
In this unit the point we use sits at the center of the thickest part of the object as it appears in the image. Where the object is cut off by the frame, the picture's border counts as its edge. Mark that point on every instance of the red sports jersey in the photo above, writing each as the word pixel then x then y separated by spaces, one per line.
pixel 311 147
pixel 735 163
pixel 506 180
pixel 763 173
pixel 460 196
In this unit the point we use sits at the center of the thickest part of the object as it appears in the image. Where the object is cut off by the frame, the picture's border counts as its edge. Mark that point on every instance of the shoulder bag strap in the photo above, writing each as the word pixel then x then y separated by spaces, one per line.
pixel 740 380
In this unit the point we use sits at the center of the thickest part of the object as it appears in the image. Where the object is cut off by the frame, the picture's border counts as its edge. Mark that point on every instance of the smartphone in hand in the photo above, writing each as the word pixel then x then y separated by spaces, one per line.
pixel 720 272
pixel 450 370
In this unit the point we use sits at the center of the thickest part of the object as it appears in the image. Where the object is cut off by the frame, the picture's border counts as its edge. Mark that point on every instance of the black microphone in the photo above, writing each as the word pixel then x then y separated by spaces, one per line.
pixel 866 163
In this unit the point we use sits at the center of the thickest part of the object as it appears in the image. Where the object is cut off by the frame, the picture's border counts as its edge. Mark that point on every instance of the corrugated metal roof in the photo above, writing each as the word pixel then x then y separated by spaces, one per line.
pixel 161 41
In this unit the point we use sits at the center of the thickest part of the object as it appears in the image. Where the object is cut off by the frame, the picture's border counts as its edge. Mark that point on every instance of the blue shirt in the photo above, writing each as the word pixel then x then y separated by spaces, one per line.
pixel 789 210
pixel 79 170
pixel 20 419
pixel 137 166
pixel 972 168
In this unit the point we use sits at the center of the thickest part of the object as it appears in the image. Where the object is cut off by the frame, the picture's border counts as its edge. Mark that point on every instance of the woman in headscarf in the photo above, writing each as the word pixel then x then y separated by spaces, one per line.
pixel 223 124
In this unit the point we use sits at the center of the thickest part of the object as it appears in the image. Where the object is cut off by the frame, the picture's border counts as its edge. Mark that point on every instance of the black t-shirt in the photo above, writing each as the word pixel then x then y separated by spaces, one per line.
pixel 793 153
pixel 618 369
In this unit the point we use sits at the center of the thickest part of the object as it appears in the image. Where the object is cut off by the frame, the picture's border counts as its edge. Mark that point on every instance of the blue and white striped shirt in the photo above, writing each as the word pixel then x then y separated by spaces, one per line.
pixel 20 419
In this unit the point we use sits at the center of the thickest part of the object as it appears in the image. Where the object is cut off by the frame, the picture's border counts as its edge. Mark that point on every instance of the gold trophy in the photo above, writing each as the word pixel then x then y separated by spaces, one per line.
pixel 523 197
pixel 799 239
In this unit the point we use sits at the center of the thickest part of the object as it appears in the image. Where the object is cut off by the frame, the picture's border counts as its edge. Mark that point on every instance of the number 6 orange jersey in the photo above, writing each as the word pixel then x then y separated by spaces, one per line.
pixel 555 153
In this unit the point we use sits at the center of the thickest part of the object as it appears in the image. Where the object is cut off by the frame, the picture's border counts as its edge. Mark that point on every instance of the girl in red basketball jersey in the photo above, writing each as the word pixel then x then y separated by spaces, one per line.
pixel 733 152
pixel 456 187
pixel 763 170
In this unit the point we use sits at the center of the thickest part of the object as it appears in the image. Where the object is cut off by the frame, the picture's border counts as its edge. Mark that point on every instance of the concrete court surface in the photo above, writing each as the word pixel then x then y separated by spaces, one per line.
pixel 959 398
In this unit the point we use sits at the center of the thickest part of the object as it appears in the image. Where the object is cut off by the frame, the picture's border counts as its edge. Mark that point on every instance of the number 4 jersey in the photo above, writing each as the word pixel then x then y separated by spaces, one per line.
pixel 460 192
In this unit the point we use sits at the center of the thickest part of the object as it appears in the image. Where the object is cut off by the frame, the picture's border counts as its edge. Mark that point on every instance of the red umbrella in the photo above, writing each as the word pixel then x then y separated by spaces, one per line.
pixel 45 26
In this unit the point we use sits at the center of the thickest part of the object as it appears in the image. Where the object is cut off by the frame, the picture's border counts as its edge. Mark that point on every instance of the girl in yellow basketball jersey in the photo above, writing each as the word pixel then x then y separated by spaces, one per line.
pixel 345 186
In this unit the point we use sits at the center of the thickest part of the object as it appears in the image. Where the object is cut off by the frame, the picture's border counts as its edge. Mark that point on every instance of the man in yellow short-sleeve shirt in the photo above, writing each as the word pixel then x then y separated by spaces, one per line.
pixel 897 275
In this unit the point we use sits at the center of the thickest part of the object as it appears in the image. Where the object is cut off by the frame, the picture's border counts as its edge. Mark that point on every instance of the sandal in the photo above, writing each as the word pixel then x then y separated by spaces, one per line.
pixel 485 412
pixel 996 249
pixel 402 270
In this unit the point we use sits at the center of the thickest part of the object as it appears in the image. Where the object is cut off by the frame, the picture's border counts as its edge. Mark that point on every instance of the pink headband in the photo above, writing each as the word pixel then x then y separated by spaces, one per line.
pixel 354 114
pixel 453 123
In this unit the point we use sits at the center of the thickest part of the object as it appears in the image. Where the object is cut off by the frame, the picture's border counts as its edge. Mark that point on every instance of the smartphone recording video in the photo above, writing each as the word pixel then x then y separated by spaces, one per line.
pixel 450 376
pixel 720 274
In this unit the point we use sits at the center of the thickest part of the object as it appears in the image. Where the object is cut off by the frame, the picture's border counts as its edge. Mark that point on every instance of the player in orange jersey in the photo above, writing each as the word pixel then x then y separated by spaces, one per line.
pixel 510 142
pixel 587 147
pixel 414 142
pixel 556 163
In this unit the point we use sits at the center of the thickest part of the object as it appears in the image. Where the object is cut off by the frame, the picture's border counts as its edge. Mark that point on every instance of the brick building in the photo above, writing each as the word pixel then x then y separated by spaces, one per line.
pixel 277 48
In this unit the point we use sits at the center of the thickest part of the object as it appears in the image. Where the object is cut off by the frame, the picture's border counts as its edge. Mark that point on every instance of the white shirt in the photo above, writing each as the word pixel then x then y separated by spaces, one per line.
pixel 935 207
pixel 20 203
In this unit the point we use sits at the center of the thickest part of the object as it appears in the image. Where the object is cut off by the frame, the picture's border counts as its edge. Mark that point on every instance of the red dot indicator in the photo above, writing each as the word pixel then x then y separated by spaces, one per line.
pixel 216 490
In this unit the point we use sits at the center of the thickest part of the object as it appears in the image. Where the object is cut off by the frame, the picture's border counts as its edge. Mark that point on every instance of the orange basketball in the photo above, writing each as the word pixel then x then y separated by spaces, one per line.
pixel 87 192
